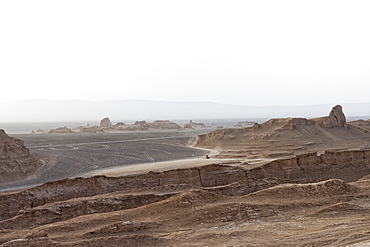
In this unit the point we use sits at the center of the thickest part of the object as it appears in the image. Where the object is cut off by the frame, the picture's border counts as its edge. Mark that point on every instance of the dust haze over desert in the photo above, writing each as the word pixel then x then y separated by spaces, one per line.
pixel 197 123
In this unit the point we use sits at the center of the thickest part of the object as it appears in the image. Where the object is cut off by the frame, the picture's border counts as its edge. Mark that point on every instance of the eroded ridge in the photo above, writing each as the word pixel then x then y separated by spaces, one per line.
pixel 199 206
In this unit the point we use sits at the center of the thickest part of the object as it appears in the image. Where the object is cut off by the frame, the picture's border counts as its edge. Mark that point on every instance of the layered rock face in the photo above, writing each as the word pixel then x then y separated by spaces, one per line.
pixel 336 118
pixel 138 210
pixel 348 165
pixel 15 160
pixel 105 123
pixel 223 179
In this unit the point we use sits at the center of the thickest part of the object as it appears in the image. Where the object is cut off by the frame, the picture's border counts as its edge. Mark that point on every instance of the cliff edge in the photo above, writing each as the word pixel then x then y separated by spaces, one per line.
pixel 16 163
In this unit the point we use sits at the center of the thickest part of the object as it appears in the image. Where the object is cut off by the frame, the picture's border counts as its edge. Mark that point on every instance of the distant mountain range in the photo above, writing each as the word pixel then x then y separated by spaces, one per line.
pixel 119 110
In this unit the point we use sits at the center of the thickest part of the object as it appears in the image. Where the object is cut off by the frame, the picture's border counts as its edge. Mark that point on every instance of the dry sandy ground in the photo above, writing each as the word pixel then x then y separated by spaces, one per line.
pixel 153 166
pixel 162 166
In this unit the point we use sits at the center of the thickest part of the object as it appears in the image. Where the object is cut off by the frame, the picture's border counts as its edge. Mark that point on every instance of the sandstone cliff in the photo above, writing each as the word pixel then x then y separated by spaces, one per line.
pixel 346 165
pixel 16 163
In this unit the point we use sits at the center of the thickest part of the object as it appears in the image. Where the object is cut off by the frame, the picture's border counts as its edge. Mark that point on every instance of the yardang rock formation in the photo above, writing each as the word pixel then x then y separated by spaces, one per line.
pixel 16 163
pixel 105 123
pixel 289 136
pixel 336 118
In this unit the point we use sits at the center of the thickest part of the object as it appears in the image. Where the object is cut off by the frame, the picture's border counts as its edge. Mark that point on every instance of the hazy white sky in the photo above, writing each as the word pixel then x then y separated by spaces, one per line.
pixel 237 52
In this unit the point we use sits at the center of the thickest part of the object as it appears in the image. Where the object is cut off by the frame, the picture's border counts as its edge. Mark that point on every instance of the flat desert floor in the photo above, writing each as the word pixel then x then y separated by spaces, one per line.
pixel 73 155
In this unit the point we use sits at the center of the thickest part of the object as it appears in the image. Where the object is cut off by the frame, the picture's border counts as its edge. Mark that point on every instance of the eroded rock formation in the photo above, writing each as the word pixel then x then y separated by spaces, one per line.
pixel 156 125
pixel 15 160
pixel 288 136
pixel 164 124
pixel 105 123
pixel 336 118
pixel 194 125
pixel 61 130
pixel 91 129
pixel 119 126
pixel 346 165
pixel 139 210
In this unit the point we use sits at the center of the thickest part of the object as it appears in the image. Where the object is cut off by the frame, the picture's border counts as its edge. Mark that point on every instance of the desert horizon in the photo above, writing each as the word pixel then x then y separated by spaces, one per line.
pixel 150 110
pixel 184 123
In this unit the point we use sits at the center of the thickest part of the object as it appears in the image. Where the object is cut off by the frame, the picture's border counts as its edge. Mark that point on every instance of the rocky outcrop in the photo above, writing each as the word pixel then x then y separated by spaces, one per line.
pixel 133 210
pixel 156 125
pixel 227 180
pixel 15 160
pixel 64 210
pixel 61 130
pixel 164 124
pixel 92 129
pixel 347 165
pixel 288 136
pixel 105 123
pixel 194 125
pixel 107 126
pixel 119 126
pixel 62 190
pixel 11 148
pixel 336 118
pixel 138 125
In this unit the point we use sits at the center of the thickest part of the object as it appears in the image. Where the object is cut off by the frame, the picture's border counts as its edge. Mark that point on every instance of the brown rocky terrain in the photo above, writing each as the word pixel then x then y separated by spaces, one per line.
pixel 289 136
pixel 107 126
pixel 16 163
pixel 287 182
pixel 220 205
pixel 362 124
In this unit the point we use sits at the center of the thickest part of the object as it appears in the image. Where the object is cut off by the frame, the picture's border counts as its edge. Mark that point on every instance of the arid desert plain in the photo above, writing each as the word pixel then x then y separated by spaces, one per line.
pixel 283 182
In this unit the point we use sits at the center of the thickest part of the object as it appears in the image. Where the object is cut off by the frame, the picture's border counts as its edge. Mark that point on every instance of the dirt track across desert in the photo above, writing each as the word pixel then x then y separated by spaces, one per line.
pixel 71 155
